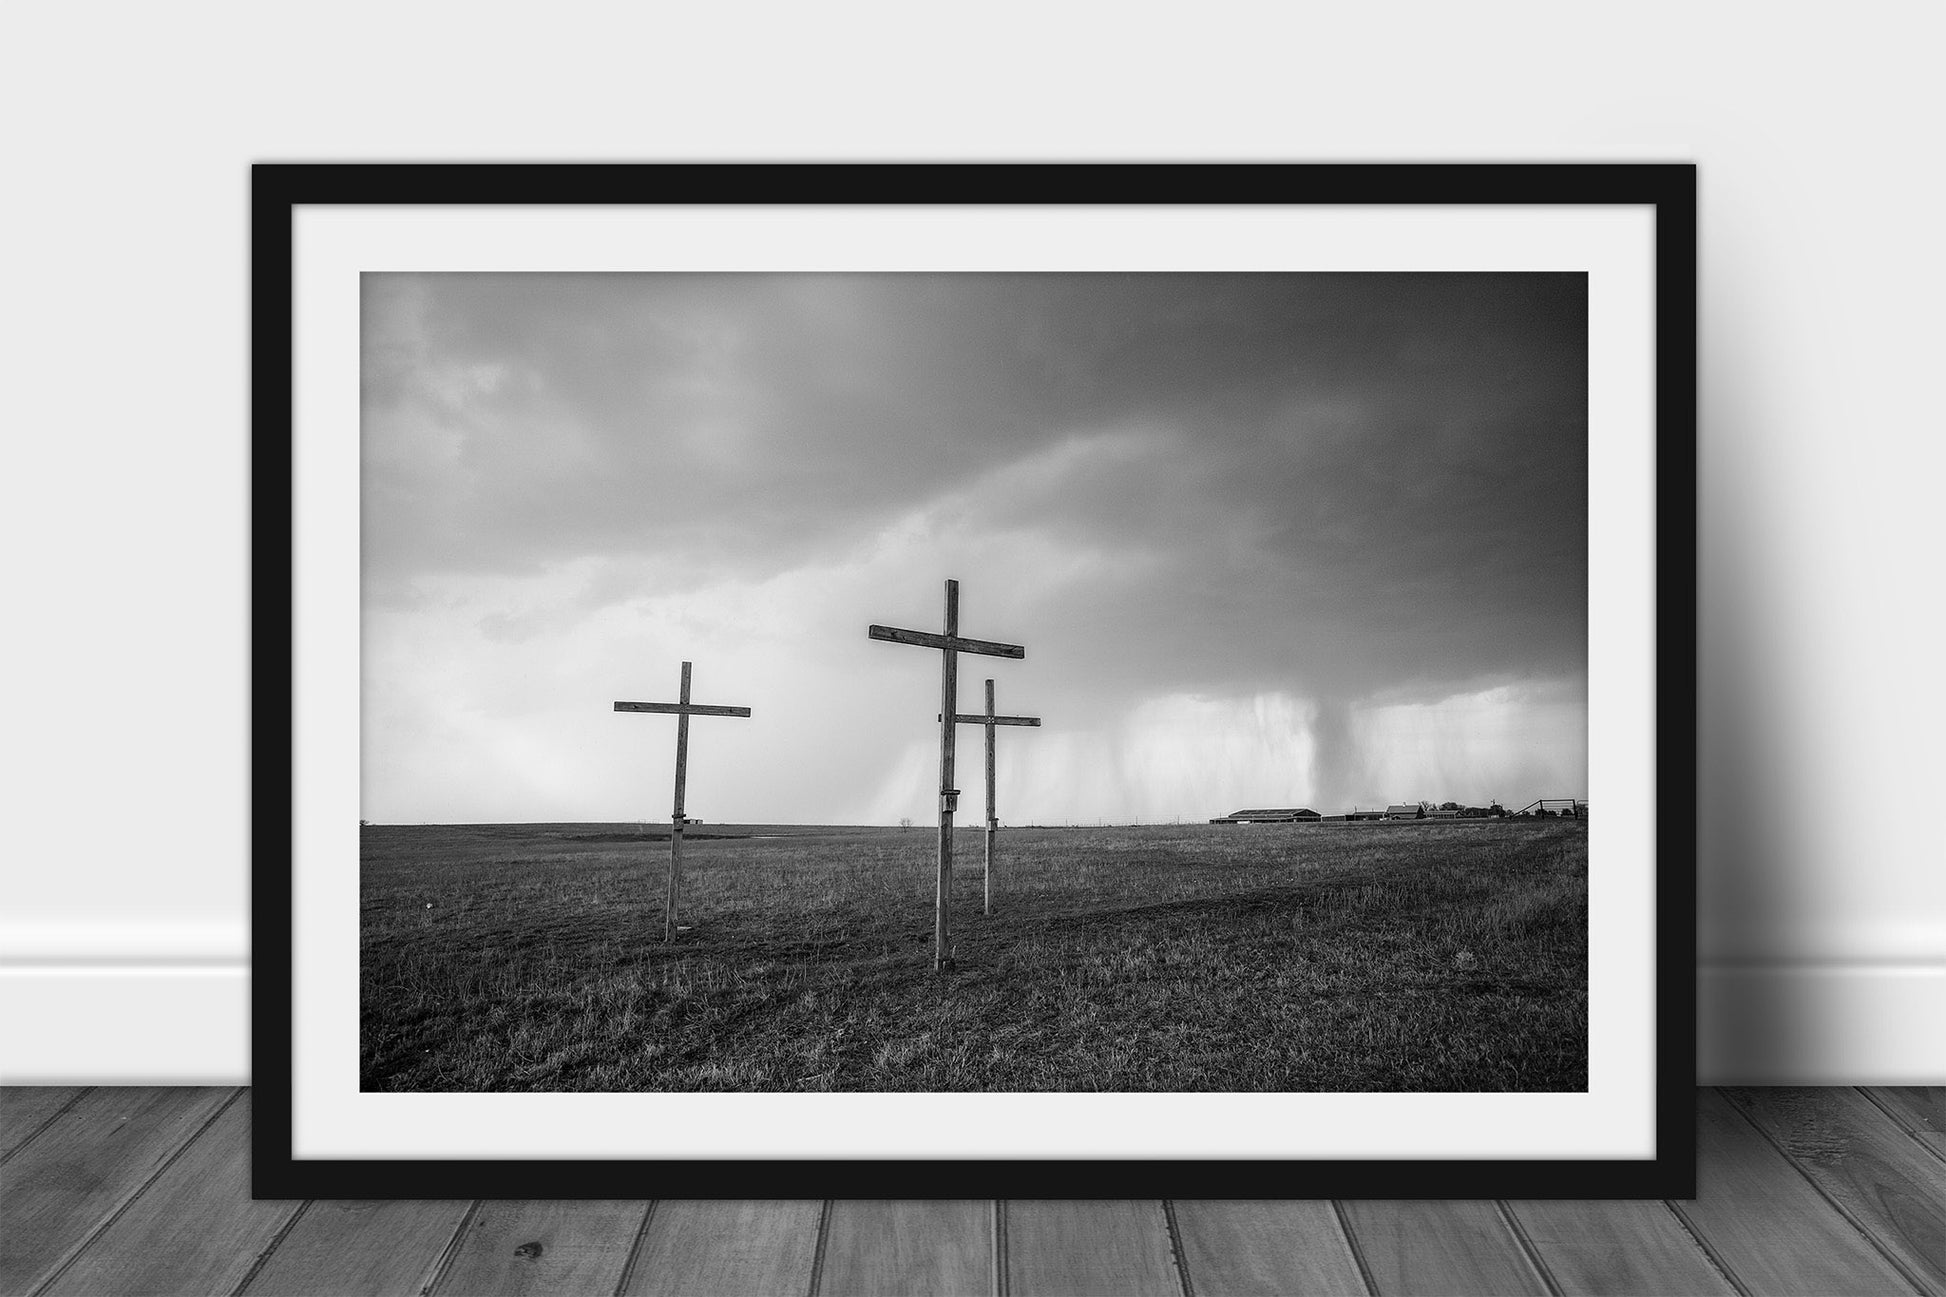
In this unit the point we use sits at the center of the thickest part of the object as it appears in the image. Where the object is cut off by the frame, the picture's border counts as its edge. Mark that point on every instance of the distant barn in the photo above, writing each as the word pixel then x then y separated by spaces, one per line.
pixel 1402 812
pixel 1275 815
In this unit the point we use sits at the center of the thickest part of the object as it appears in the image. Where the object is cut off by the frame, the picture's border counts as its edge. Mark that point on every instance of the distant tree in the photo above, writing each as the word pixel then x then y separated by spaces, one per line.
pixel 906 822
pixel 1449 806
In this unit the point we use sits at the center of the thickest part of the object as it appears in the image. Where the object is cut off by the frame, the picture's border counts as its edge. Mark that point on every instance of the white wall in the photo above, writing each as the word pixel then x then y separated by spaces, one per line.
pixel 124 505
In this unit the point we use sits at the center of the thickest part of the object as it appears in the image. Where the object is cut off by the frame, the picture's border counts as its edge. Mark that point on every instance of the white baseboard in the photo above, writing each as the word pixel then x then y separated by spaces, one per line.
pixel 103 943
pixel 187 1024
pixel 1821 1024
pixel 165 1024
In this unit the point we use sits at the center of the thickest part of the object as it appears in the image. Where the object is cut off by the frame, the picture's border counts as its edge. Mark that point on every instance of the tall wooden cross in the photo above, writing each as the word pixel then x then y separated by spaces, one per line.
pixel 989 720
pixel 950 646
pixel 682 710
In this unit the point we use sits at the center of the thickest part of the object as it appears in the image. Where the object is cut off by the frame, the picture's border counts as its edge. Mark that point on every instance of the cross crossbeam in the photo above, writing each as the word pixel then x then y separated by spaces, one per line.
pixel 682 710
pixel 957 643
pixel 950 645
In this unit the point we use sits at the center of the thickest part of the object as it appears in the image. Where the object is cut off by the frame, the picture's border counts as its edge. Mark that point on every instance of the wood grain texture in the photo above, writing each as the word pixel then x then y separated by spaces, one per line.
pixel 1426 1247
pixel 1618 1248
pixel 942 953
pixel 193 1231
pixel 145 1190
pixel 1764 1220
pixel 351 1248
pixel 992 737
pixel 727 1249
pixel 1266 1249
pixel 681 709
pixel 566 1249
pixel 1115 1248
pixel 1890 1187
pixel 86 1164
pixel 1920 1109
pixel 24 1109
pixel 957 643
pixel 908 1248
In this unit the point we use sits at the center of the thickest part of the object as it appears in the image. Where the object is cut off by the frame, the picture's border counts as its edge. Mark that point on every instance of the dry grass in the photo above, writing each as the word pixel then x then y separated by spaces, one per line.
pixel 1179 958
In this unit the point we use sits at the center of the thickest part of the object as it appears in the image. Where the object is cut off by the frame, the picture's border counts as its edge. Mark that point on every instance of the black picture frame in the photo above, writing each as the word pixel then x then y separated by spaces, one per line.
pixel 280 190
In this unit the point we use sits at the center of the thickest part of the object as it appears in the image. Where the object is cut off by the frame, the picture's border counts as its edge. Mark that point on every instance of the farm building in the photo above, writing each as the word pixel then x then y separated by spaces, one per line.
pixel 1400 811
pixel 1356 814
pixel 1279 815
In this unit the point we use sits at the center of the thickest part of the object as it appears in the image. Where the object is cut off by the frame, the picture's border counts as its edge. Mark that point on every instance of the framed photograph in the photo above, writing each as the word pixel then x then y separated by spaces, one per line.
pixel 992 680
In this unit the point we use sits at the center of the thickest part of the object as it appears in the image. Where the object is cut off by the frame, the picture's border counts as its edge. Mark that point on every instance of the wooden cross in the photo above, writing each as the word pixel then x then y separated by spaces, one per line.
pixel 682 710
pixel 989 720
pixel 950 646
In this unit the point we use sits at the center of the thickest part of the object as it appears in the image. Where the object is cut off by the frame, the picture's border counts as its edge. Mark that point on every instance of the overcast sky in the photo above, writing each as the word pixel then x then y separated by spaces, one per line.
pixel 1307 539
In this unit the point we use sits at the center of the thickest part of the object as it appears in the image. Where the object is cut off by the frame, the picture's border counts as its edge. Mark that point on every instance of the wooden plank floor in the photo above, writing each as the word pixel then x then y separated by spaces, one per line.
pixel 137 1190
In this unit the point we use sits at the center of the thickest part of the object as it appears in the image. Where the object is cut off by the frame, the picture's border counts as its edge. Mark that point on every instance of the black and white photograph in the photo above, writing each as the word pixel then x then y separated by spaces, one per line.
pixel 1274 585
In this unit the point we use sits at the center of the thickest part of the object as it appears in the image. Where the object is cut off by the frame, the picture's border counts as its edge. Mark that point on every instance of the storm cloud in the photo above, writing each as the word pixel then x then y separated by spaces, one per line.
pixel 1324 535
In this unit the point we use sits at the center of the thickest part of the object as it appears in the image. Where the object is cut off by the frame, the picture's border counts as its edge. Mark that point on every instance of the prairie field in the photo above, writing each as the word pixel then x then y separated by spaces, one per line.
pixel 1448 956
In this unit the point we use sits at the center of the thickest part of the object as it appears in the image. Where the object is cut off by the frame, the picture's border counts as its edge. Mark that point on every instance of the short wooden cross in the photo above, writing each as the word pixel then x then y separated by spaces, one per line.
pixel 950 646
pixel 682 710
pixel 989 720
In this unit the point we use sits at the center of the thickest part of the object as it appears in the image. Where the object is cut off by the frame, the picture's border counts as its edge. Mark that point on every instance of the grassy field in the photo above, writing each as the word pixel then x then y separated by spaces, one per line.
pixel 1170 958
